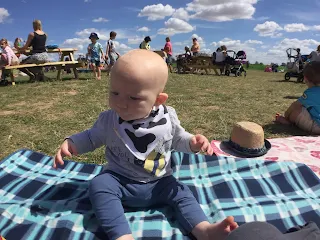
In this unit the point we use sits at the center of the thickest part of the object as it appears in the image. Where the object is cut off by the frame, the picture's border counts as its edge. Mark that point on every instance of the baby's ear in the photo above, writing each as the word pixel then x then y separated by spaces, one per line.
pixel 161 99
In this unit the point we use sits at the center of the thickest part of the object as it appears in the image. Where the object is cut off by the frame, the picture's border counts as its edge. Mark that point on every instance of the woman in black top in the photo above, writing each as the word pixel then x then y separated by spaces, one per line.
pixel 36 40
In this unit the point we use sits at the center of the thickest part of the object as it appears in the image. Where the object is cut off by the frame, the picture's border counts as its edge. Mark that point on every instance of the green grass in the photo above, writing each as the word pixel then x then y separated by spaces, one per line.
pixel 40 115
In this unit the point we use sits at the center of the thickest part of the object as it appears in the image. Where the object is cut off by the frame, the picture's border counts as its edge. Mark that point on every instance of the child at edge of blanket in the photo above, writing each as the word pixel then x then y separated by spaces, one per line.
pixel 139 133
pixel 305 112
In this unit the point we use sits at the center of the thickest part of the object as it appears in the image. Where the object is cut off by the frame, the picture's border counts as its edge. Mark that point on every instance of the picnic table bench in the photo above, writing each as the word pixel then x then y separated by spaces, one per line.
pixel 201 63
pixel 64 52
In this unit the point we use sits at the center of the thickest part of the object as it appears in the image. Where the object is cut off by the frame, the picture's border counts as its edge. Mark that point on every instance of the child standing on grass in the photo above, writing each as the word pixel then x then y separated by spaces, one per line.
pixel 305 112
pixel 95 51
pixel 139 134
pixel 7 57
pixel 111 54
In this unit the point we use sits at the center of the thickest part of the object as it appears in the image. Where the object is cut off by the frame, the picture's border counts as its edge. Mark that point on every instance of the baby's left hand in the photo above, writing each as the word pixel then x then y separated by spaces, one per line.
pixel 201 143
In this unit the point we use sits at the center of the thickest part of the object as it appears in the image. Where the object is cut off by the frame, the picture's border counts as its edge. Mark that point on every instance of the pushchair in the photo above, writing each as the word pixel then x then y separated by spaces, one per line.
pixel 234 63
pixel 295 65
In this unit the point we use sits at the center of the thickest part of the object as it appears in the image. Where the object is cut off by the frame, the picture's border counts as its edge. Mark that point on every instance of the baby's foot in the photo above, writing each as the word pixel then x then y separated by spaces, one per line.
pixel 281 119
pixel 219 231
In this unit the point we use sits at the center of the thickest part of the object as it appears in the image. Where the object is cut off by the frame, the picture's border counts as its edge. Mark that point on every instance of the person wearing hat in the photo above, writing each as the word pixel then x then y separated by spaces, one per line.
pixel 95 51
pixel 145 43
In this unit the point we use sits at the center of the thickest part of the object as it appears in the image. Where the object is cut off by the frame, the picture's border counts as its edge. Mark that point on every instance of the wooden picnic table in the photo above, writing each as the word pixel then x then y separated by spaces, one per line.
pixel 202 63
pixel 63 52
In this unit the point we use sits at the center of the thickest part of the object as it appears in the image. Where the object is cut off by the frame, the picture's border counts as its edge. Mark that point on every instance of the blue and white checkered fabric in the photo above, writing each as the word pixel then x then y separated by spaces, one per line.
pixel 39 202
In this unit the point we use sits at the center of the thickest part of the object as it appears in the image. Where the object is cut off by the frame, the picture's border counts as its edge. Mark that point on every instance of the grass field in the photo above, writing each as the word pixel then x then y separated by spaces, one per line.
pixel 40 115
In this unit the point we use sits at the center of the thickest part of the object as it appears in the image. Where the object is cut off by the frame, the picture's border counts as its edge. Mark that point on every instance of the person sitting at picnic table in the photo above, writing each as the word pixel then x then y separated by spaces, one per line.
pixel 305 112
pixel 183 58
pixel 38 54
pixel 145 44
pixel 220 57
pixel 195 49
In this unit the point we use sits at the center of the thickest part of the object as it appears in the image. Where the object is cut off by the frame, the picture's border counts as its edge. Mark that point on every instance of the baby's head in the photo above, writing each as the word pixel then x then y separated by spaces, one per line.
pixel 137 81
pixel 312 74
pixel 3 43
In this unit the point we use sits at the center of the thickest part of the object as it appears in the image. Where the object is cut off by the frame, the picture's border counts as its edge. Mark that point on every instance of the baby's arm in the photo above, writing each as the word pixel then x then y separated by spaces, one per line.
pixel 186 142
pixel 86 141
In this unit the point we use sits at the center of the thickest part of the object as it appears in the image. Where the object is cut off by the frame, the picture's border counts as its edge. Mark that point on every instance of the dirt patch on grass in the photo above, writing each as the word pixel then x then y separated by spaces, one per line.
pixel 212 107
pixel 18 104
pixel 71 92
pixel 7 113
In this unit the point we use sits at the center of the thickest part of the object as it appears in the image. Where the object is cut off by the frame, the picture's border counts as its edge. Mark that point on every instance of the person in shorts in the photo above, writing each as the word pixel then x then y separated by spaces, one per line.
pixel 111 54
pixel 95 51
pixel 305 112
pixel 168 50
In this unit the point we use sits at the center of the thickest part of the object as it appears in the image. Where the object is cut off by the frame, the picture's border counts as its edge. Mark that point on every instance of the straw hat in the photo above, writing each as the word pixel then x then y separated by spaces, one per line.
pixel 247 140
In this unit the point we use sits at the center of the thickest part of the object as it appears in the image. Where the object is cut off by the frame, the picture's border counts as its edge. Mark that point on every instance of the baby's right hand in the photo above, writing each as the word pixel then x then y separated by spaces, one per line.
pixel 66 149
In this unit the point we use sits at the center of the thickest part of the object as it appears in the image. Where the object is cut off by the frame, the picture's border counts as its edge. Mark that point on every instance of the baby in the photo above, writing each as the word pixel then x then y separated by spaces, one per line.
pixel 8 57
pixel 139 133
pixel 305 112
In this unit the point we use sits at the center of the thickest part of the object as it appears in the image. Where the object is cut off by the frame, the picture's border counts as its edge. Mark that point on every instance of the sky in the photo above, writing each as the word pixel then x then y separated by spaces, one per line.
pixel 262 28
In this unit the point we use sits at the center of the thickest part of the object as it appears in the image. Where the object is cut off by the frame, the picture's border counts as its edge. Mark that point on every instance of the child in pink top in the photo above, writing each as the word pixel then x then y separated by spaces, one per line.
pixel 8 57
pixel 168 50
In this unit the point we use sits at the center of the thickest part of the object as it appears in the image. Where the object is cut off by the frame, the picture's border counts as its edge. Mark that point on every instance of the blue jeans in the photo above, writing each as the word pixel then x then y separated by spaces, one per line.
pixel 109 192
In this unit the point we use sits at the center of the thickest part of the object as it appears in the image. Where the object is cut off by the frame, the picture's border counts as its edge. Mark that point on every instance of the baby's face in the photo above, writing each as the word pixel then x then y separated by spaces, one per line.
pixel 131 100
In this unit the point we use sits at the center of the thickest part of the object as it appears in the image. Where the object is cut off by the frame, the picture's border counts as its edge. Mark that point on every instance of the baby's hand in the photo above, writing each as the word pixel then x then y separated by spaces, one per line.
pixel 66 149
pixel 201 143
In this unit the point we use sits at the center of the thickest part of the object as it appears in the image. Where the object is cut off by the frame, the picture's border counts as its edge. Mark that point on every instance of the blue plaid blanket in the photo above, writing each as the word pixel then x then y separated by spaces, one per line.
pixel 39 202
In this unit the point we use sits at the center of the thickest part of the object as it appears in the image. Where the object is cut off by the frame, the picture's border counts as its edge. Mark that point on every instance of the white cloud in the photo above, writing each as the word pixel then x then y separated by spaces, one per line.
pixel 86 1
pixel 156 11
pixel 175 26
pixel 135 40
pixel 100 19
pixel 316 27
pixel 181 13
pixel 221 10
pixel 121 48
pixel 143 29
pixel 268 29
pixel 253 42
pixel 3 14
pixel 296 27
pixel 79 43
pixel 104 34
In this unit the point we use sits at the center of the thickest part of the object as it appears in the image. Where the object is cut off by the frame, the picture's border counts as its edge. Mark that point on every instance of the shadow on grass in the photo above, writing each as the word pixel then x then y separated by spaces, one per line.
pixel 291 97
pixel 49 80
pixel 282 80
pixel 276 128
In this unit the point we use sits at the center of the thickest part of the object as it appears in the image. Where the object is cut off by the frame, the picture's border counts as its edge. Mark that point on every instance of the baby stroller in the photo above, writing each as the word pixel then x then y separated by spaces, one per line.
pixel 234 63
pixel 294 65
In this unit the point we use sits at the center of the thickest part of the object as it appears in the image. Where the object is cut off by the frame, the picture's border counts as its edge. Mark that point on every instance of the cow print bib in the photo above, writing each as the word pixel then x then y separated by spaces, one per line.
pixel 142 136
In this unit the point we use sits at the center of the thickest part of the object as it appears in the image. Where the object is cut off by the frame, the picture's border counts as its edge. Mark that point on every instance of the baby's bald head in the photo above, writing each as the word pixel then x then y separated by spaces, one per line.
pixel 136 85
pixel 141 67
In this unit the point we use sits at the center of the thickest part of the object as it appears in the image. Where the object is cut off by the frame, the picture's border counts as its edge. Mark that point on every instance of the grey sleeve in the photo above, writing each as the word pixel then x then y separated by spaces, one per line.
pixel 95 137
pixel 181 138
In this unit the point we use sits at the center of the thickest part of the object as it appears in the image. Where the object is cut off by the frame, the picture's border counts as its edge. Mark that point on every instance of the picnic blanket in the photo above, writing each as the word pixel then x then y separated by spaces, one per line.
pixel 39 202
pixel 298 149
